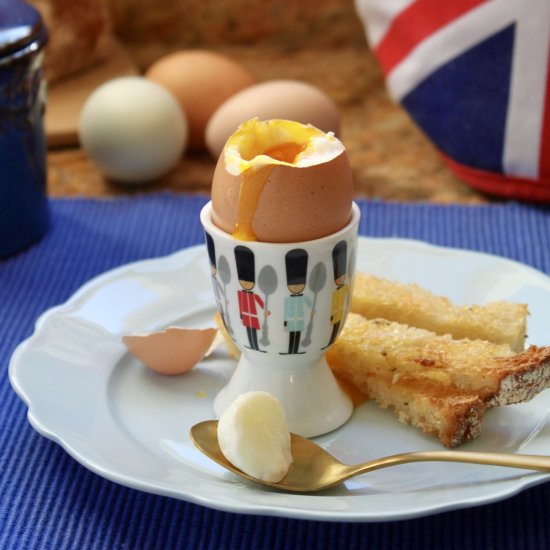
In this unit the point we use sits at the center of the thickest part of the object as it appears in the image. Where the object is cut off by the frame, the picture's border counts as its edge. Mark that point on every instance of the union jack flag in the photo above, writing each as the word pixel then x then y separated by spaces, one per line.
pixel 475 76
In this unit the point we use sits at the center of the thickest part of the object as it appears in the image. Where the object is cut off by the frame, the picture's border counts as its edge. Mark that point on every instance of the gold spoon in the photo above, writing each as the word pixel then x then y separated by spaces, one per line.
pixel 313 469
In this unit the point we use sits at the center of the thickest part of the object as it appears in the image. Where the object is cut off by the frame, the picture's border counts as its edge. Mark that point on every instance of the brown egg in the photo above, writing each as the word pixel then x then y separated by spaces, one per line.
pixel 281 181
pixel 201 81
pixel 273 99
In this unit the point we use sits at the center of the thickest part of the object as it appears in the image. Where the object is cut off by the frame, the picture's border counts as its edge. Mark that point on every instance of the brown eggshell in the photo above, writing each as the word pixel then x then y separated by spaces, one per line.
pixel 296 204
pixel 173 351
pixel 201 81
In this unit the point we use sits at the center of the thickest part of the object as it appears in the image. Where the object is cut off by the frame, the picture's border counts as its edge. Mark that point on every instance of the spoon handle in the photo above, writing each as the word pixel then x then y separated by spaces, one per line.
pixel 526 462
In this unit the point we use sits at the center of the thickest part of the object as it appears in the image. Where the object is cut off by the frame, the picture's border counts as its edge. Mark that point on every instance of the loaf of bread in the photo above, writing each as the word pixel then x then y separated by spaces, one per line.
pixel 499 322
pixel 79 35
pixel 436 383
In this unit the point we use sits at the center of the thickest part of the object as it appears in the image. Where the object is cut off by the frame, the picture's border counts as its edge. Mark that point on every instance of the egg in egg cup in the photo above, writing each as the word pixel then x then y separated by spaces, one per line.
pixel 283 295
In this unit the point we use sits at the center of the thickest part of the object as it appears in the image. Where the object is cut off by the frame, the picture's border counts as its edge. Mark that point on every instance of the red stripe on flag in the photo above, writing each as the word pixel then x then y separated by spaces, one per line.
pixel 544 152
pixel 414 24
pixel 535 190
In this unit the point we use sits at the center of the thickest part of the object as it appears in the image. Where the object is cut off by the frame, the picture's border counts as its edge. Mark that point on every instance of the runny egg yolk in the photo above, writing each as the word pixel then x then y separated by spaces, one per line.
pixel 249 196
pixel 285 152
pixel 257 147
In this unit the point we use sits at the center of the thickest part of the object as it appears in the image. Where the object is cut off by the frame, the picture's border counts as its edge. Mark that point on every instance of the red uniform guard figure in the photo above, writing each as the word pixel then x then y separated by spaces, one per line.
pixel 248 300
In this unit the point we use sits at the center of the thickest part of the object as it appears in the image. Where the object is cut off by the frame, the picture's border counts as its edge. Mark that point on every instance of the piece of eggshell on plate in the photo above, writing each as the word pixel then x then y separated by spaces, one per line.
pixel 172 351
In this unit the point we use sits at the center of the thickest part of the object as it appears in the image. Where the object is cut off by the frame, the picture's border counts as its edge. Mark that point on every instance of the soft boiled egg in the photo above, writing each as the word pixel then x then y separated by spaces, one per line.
pixel 281 181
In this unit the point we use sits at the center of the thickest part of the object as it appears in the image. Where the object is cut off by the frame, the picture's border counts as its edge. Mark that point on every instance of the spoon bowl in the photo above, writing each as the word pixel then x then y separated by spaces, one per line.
pixel 267 283
pixel 314 469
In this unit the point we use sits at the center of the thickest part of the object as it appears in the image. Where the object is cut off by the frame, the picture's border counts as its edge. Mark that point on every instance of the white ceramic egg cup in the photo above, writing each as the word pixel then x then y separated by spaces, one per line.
pixel 284 304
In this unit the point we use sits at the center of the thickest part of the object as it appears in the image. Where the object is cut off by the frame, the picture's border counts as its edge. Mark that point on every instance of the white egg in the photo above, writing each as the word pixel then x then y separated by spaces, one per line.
pixel 133 129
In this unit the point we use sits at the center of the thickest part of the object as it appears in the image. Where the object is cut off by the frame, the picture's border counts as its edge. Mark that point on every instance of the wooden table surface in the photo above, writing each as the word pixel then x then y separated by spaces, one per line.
pixel 391 158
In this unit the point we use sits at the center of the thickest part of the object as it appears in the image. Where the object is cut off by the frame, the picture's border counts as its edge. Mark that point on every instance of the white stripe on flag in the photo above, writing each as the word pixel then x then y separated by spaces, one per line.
pixel 528 89
pixel 451 41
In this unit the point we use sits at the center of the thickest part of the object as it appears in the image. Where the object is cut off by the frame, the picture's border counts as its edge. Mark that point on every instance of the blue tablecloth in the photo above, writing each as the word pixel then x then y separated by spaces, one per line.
pixel 47 500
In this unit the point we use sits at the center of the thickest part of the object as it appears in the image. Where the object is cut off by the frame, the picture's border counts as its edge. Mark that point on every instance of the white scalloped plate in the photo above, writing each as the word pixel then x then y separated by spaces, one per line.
pixel 131 425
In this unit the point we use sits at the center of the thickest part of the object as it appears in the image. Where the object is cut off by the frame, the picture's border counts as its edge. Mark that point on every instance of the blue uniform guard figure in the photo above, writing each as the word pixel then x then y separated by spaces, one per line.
pixel 297 302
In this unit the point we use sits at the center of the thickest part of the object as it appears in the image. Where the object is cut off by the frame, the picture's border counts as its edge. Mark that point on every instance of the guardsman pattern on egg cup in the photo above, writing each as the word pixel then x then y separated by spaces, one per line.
pixel 296 304
pixel 340 296
pixel 219 289
pixel 248 300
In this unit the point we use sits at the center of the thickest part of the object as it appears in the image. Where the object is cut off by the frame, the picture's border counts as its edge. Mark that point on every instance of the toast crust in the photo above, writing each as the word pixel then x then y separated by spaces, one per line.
pixel 454 419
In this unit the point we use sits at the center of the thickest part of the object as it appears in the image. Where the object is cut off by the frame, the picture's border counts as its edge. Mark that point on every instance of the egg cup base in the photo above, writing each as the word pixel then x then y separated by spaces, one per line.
pixel 313 401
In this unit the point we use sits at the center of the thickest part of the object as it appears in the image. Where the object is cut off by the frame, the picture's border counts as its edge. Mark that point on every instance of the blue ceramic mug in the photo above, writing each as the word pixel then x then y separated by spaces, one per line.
pixel 24 213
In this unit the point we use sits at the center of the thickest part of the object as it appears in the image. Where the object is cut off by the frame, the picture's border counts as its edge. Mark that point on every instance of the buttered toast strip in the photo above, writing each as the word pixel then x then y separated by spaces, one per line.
pixel 436 383
pixel 395 351
pixel 499 322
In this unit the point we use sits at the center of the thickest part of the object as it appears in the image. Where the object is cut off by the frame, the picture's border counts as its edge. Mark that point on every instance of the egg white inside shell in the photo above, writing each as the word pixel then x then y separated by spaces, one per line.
pixel 258 143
